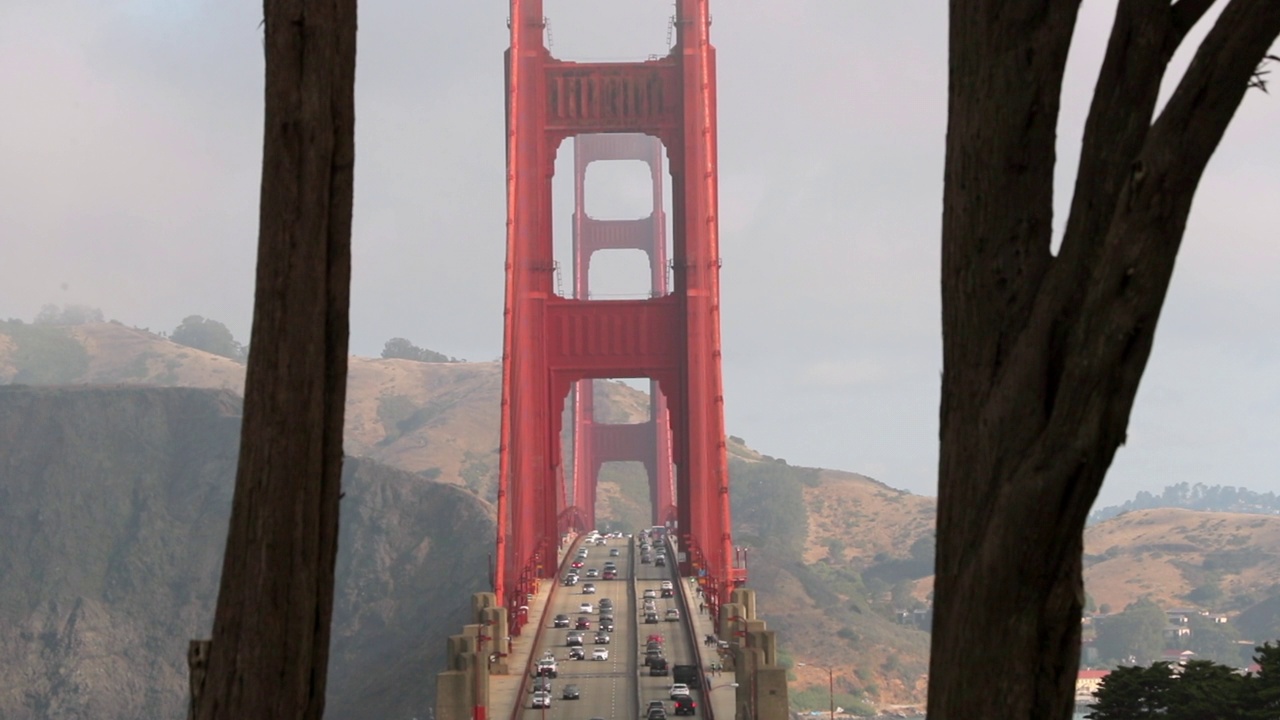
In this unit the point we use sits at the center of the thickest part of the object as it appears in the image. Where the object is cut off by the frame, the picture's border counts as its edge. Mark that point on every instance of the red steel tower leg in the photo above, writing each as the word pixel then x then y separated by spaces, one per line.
pixel 551 342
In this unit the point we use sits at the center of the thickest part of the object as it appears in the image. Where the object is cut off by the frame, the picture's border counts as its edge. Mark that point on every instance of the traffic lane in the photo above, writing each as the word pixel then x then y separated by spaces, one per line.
pixel 677 645
pixel 606 687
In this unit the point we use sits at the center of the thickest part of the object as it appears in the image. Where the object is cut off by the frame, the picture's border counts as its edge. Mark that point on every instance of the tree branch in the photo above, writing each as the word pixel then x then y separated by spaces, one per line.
pixel 1109 347
pixel 1142 41
pixel 1186 13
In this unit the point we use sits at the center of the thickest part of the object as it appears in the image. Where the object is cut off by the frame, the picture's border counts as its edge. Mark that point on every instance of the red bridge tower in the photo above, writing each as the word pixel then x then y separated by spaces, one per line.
pixel 552 343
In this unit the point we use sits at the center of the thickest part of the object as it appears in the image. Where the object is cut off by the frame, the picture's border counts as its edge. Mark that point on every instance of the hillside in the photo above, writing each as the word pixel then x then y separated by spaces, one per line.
pixel 113 514
pixel 834 556
pixel 1167 554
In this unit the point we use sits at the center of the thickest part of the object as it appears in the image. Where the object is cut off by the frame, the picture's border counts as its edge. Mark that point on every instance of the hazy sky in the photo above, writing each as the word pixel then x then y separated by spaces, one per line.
pixel 130 140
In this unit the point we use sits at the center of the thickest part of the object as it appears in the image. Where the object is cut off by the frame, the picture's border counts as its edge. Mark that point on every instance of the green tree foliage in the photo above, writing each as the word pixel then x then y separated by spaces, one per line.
pixel 45 354
pixel 68 315
pixel 401 349
pixel 1135 636
pixel 1195 497
pixel 1218 642
pixel 1201 690
pixel 210 336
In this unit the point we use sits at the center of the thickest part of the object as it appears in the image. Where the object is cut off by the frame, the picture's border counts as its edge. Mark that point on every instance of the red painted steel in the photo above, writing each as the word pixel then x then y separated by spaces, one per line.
pixel 552 343
pixel 648 442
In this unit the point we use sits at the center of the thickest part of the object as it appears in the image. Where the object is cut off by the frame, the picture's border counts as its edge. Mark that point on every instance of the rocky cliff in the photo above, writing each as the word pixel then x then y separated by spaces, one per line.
pixel 113 514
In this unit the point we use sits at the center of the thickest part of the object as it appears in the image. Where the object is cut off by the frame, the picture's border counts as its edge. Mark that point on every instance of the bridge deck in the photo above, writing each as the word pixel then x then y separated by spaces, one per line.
pixel 619 687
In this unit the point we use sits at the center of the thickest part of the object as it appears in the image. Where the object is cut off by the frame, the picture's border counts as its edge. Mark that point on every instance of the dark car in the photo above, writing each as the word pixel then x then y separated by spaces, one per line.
pixel 668 592
pixel 606 625
pixel 656 705
pixel 602 638
pixel 582 624
pixel 658 666
pixel 562 621
pixel 684 705
pixel 651 618
pixel 577 653
pixel 573 639
pixel 656 714
pixel 571 692
pixel 661 561
pixel 541 684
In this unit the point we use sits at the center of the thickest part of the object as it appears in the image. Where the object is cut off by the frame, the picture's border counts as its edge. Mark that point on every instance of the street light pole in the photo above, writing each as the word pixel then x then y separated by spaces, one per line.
pixel 831 685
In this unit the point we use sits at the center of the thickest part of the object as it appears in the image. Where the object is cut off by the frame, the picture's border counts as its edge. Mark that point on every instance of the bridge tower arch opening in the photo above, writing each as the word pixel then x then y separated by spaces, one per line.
pixel 557 343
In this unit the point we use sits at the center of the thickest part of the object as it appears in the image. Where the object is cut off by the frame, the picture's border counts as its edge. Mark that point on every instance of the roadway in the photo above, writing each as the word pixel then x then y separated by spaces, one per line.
pixel 620 687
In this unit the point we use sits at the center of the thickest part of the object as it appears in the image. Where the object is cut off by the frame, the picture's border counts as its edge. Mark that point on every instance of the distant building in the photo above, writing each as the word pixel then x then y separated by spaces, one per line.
pixel 1087 682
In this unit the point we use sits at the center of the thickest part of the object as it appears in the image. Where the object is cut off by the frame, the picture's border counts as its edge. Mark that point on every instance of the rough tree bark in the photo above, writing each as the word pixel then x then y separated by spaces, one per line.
pixel 1042 353
pixel 270 649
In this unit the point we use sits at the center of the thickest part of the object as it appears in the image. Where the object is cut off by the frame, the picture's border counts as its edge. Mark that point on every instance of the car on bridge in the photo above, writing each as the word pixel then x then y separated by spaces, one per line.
pixel 602 638
pixel 685 706
pixel 587 608
pixel 661 561
pixel 614 552
pixel 561 621
pixel 593 574
pixel 679 689
pixel 651 618
pixel 588 588
pixel 606 604
pixel 606 623
pixel 577 653
pixel 573 639
pixel 673 615
pixel 650 594
pixel 546 668
pixel 577 564
pixel 570 580
pixel 655 705
pixel 610 575
pixel 582 624
pixel 600 653
pixel 571 692
pixel 541 684
pixel 542 700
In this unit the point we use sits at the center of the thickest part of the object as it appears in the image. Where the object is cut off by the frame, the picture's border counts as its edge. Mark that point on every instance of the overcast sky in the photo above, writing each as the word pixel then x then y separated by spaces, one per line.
pixel 130 140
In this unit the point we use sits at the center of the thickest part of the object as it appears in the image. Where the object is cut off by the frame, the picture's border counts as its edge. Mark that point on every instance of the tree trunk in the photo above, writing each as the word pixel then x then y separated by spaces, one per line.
pixel 1042 354
pixel 271 630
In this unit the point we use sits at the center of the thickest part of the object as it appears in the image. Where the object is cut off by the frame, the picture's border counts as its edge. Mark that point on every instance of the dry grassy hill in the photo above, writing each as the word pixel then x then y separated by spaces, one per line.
pixel 1167 553
pixel 837 550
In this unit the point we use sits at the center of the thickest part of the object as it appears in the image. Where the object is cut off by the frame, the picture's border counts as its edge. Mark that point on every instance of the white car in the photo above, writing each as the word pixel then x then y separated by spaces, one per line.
pixel 678 690
pixel 666 585
pixel 650 594
pixel 601 654
pixel 542 699
pixel 586 608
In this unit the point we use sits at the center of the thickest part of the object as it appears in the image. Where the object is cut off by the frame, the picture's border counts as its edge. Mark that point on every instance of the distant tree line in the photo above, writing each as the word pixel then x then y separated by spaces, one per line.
pixel 210 336
pixel 1218 498
pixel 1138 635
pixel 399 348
pixel 1197 690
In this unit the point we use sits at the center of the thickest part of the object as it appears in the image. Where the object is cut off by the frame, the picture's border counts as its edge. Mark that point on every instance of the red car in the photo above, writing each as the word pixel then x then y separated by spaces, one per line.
pixel 577 564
